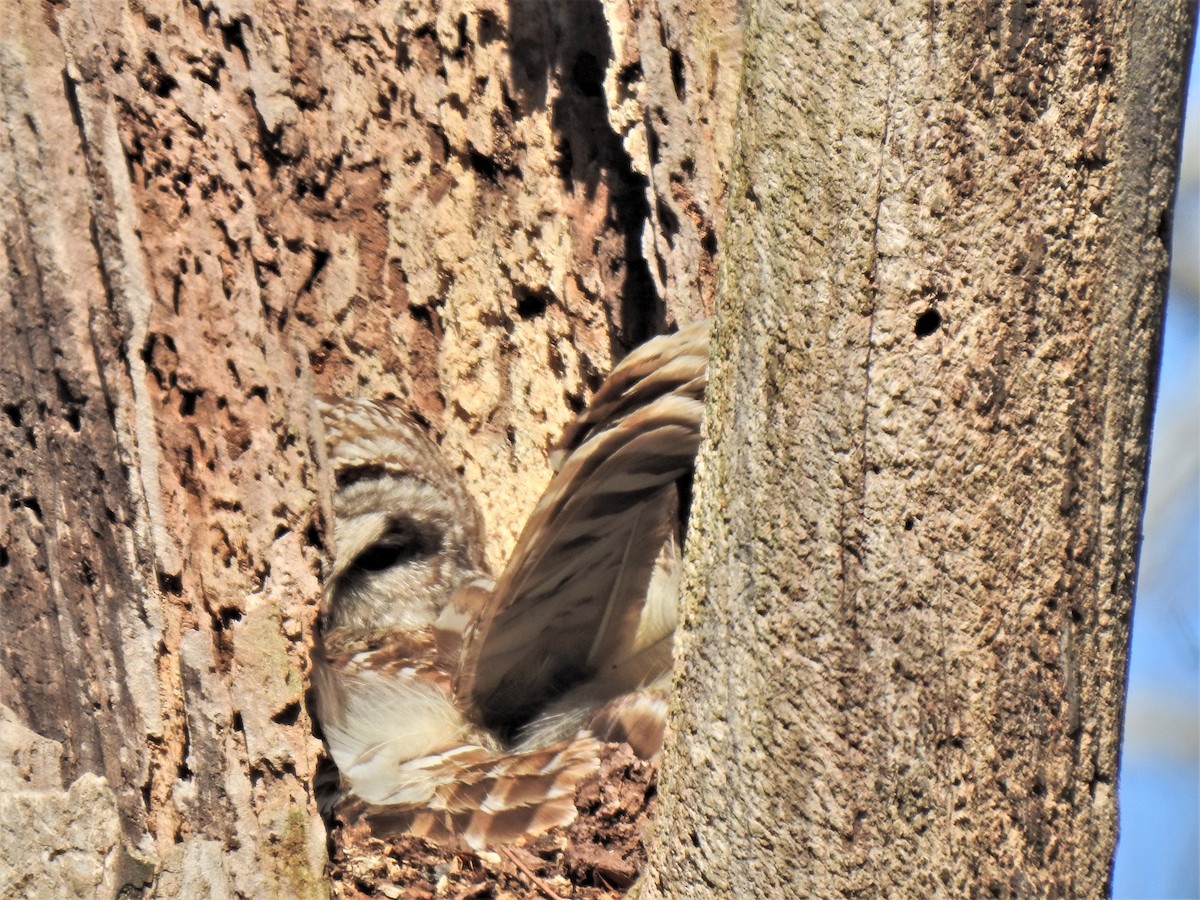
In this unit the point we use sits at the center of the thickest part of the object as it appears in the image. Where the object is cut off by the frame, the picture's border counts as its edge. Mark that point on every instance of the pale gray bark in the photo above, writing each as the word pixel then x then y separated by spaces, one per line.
pixel 916 522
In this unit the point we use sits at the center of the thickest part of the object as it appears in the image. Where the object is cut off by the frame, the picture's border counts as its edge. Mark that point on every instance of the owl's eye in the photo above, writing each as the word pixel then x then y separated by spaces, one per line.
pixel 404 543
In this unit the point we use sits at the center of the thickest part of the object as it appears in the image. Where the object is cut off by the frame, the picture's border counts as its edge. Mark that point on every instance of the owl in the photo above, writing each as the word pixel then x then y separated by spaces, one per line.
pixel 466 709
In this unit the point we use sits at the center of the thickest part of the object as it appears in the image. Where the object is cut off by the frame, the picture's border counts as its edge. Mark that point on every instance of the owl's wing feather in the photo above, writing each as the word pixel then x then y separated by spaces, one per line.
pixel 366 681
pixel 573 595
pixel 479 798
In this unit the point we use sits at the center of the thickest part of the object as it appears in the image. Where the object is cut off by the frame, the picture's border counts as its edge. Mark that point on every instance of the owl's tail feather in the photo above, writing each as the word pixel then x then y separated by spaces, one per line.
pixel 579 592
pixel 486 802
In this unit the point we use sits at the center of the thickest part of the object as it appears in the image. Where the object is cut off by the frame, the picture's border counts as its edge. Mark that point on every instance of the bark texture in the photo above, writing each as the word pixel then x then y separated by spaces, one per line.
pixel 916 524
pixel 217 211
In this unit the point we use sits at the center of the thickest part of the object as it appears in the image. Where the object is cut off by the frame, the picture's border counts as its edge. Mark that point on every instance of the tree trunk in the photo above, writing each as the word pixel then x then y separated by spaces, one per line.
pixel 216 212
pixel 220 211
pixel 916 523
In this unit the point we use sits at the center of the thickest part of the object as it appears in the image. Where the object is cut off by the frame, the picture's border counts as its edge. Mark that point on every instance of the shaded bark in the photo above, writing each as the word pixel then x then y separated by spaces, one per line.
pixel 916 523
pixel 218 212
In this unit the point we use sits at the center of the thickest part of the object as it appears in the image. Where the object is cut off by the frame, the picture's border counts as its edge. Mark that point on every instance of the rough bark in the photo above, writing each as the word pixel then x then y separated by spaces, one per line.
pixel 217 211
pixel 916 523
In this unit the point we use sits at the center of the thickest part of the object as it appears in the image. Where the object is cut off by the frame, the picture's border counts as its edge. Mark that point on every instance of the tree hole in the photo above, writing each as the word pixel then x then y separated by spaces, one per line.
pixel 532 303
pixel 927 323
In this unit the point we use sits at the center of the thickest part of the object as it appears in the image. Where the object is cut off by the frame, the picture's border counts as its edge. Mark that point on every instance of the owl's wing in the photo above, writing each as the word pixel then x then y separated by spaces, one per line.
pixel 435 776
pixel 572 601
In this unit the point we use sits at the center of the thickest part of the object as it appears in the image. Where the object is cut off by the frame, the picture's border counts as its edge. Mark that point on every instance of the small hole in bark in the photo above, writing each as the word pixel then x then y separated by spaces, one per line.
pixel 629 74
pixel 312 536
pixel 909 523
pixel 3 558
pixel 668 220
pixel 187 405
pixel 163 84
pixel 13 411
pixel 31 504
pixel 289 715
pixel 484 165
pixel 677 79
pixel 229 615
pixel 170 584
pixel 532 303
pixel 695 840
pixel 463 40
pixel 927 323
pixel 166 84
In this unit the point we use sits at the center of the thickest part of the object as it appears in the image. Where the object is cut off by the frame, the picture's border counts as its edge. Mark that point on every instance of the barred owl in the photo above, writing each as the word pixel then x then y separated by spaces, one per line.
pixel 466 710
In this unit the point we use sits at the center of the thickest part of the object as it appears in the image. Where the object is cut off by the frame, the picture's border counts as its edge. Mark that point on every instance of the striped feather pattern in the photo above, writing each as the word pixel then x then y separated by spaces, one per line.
pixel 573 593
pixel 467 713
pixel 490 798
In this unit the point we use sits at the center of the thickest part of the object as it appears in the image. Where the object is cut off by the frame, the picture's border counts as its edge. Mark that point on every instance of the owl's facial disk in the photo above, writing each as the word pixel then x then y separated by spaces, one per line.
pixel 399 553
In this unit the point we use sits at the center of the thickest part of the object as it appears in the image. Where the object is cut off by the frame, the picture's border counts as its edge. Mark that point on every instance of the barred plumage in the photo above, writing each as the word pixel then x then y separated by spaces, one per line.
pixel 467 712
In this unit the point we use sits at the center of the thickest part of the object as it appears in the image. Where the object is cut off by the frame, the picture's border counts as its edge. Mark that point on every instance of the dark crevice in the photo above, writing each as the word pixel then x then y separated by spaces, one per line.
pixel 232 38
pixel 320 259
pixel 162 83
pixel 31 504
pixel 667 221
pixel 187 402
pixel 270 144
pixel 312 535
pixel 287 716
pixel 489 29
pixel 484 165
pixel 532 303
pixel 678 81
pixel 587 75
pixel 927 323
pixel 571 43
pixel 170 584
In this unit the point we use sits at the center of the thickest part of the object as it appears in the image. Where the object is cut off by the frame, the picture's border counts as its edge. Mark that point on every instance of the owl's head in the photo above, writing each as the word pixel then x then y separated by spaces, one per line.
pixel 406 534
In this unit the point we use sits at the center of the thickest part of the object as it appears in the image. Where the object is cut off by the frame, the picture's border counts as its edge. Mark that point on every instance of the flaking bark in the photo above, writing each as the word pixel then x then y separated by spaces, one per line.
pixel 215 212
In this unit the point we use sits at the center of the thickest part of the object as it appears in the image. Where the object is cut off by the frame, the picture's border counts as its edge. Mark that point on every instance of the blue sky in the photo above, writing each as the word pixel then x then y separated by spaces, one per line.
pixel 1158 854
